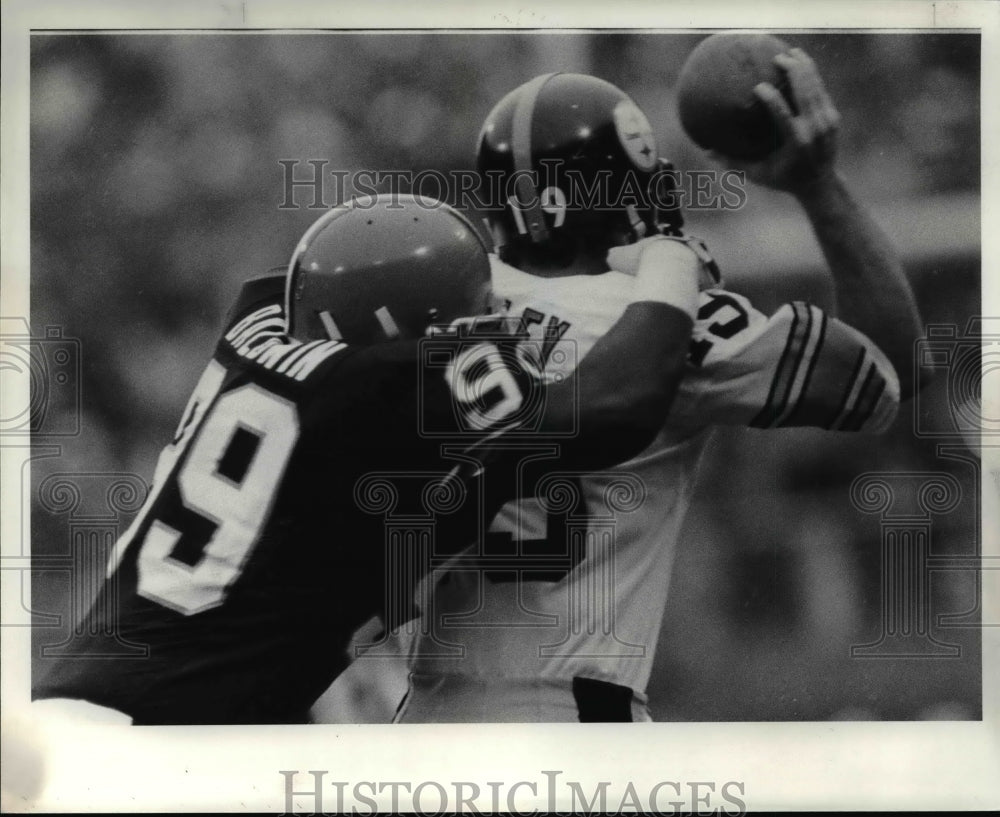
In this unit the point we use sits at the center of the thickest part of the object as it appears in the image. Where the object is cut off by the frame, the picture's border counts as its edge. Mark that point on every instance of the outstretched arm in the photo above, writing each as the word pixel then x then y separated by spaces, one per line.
pixel 872 293
pixel 871 290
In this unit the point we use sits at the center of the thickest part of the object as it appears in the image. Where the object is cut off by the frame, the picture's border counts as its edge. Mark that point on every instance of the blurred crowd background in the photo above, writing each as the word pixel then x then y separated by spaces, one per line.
pixel 156 189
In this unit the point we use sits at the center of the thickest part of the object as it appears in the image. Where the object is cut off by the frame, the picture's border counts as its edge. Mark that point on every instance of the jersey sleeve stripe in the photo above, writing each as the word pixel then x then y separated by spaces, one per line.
pixel 760 421
pixel 784 376
pixel 804 366
pixel 856 398
pixel 884 410
pixel 863 409
pixel 791 372
pixel 865 385
pixel 794 417
pixel 850 392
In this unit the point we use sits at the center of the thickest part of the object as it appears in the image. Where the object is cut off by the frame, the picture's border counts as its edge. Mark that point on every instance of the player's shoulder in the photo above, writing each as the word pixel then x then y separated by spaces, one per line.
pixel 264 290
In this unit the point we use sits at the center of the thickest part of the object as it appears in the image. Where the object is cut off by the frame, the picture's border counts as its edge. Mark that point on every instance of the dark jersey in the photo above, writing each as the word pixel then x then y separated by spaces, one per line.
pixel 263 544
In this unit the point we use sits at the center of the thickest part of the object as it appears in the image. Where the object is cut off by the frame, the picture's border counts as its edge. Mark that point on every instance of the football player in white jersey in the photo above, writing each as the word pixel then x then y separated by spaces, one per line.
pixel 570 636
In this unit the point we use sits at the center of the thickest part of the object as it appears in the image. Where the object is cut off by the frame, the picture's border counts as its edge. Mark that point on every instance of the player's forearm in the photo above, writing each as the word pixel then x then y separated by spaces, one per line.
pixel 627 382
pixel 625 385
pixel 871 289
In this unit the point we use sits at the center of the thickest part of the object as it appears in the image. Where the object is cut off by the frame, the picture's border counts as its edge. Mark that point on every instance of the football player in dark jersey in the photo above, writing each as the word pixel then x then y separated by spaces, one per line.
pixel 261 547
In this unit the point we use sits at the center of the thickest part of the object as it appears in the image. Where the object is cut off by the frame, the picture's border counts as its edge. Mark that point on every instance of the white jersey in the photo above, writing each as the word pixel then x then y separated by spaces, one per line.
pixel 585 593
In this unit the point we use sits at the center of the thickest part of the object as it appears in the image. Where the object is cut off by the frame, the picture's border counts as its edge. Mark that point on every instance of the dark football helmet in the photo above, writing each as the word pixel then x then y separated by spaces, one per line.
pixel 386 267
pixel 570 161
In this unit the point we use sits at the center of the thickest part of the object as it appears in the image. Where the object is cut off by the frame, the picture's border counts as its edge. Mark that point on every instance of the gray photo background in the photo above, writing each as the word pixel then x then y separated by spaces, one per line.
pixel 155 189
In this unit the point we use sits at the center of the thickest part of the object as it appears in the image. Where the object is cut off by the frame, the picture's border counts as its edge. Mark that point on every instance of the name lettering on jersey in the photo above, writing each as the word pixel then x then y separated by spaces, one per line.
pixel 269 318
pixel 551 335
pixel 261 337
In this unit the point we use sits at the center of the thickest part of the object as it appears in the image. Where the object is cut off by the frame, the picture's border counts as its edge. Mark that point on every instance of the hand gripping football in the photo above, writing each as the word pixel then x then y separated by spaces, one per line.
pixel 715 98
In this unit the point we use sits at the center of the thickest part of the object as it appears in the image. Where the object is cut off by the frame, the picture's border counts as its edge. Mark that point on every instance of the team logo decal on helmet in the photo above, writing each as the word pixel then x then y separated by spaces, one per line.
pixel 636 134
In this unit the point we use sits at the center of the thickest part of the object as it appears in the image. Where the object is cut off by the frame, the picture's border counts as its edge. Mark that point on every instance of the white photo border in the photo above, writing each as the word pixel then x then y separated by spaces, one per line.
pixel 783 766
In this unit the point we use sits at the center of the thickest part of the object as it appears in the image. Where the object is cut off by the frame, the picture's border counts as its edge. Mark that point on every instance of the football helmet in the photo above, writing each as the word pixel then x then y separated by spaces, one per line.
pixel 570 161
pixel 385 267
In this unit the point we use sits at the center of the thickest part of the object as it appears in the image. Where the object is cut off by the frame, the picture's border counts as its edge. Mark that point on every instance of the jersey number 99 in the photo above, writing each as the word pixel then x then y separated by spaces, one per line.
pixel 240 443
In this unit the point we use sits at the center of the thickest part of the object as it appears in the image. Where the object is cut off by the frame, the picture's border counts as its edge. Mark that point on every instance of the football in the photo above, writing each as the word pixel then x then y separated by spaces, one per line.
pixel 715 98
